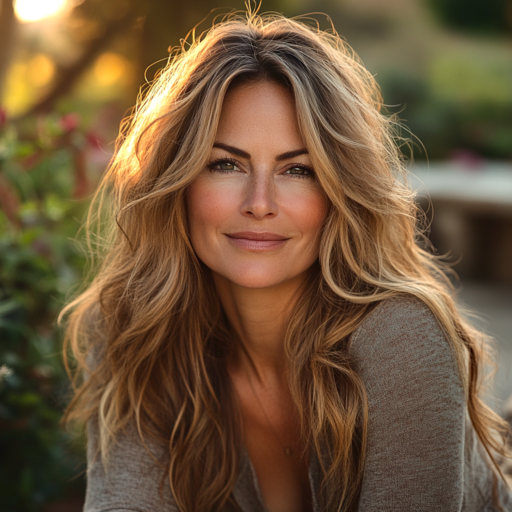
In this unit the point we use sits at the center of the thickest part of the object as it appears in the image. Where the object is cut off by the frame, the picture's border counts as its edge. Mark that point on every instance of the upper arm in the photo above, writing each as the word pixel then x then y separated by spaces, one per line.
pixel 130 482
pixel 416 406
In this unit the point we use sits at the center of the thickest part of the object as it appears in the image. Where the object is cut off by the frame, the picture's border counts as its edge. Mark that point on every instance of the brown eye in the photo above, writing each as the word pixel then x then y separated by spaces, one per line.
pixel 301 171
pixel 297 170
pixel 226 166
pixel 223 165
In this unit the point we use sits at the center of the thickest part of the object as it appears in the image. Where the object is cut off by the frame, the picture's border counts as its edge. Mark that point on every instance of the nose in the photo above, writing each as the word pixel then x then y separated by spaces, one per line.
pixel 259 202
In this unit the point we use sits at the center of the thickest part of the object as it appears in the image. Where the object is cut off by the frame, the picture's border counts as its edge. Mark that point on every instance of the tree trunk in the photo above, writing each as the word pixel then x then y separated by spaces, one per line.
pixel 7 36
pixel 68 77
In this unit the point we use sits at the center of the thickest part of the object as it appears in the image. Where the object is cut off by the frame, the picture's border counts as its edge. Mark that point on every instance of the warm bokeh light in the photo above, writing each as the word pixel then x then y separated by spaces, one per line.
pixel 41 70
pixel 35 10
pixel 18 90
pixel 109 68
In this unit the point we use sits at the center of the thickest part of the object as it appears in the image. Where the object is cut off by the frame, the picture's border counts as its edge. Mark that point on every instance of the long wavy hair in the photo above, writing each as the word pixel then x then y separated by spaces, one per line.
pixel 148 330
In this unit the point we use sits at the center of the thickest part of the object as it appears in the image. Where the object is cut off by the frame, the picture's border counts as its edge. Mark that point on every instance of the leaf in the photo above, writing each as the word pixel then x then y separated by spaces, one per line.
pixel 8 306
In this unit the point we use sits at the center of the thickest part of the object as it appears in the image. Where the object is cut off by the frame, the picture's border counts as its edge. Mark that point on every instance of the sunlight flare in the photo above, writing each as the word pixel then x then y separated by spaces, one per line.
pixel 35 10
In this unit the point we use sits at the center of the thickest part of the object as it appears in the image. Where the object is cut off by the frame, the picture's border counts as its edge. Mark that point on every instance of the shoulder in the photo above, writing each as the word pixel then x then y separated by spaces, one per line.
pixel 397 316
pixel 402 342
pixel 399 323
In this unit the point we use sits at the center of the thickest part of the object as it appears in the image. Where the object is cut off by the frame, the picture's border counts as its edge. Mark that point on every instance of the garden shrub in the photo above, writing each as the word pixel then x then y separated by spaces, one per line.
pixel 43 181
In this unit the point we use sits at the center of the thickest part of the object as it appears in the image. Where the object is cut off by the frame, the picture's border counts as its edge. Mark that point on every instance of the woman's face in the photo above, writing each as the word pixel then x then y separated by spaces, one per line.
pixel 256 211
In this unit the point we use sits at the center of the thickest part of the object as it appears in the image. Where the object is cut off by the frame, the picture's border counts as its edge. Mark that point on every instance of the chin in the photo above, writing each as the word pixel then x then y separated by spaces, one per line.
pixel 254 276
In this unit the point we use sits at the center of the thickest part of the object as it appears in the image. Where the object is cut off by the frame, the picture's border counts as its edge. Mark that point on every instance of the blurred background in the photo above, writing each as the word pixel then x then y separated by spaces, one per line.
pixel 70 70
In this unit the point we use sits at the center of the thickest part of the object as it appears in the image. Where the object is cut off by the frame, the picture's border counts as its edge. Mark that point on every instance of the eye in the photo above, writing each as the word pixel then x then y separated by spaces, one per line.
pixel 223 165
pixel 301 171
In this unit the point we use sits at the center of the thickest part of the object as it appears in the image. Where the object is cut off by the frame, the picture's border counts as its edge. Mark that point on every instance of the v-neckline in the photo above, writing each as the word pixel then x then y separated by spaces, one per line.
pixel 247 491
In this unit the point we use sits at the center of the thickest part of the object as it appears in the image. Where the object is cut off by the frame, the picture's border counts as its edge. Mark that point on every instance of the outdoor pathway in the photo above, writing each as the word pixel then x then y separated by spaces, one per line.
pixel 494 305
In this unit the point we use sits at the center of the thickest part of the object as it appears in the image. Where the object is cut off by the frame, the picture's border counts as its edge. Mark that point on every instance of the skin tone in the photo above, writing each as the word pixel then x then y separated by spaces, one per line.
pixel 255 215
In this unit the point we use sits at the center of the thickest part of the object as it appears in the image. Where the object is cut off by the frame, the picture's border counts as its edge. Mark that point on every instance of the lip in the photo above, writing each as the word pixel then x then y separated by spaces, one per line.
pixel 257 241
pixel 253 235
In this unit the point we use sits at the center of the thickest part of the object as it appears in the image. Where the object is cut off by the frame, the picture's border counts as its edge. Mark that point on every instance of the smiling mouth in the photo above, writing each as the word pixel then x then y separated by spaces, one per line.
pixel 257 241
pixel 252 235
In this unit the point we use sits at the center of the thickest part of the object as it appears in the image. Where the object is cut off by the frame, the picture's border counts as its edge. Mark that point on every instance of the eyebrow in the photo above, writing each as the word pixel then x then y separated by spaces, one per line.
pixel 243 154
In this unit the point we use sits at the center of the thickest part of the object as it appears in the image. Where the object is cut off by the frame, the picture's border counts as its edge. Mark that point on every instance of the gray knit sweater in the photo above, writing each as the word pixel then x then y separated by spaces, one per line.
pixel 423 453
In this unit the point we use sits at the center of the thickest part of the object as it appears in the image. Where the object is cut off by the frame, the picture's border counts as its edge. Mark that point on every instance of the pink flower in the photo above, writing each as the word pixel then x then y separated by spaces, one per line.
pixel 3 117
pixel 467 158
pixel 69 122
pixel 94 140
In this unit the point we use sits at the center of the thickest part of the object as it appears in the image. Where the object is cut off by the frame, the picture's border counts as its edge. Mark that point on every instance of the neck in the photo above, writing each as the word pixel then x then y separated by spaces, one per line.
pixel 258 319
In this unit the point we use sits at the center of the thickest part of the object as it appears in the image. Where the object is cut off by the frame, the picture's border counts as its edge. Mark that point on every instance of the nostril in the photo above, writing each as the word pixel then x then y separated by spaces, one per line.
pixel 260 213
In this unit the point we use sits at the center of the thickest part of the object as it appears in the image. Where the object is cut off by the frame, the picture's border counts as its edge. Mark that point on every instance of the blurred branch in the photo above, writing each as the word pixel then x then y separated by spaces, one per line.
pixel 68 76
pixel 7 33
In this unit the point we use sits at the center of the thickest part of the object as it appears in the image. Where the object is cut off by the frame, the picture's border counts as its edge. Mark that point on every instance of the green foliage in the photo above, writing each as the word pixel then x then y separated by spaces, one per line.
pixel 456 107
pixel 474 15
pixel 42 176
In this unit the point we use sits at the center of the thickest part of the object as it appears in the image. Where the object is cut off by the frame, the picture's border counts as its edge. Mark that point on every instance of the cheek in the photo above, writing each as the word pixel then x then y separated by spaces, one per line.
pixel 308 210
pixel 208 207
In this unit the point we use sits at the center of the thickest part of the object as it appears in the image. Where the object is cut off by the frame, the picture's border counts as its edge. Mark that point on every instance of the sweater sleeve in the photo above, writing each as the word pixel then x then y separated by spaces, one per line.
pixel 131 481
pixel 415 457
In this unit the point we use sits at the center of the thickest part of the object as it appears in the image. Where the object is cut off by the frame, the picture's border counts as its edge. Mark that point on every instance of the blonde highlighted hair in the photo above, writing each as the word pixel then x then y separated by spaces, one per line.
pixel 149 330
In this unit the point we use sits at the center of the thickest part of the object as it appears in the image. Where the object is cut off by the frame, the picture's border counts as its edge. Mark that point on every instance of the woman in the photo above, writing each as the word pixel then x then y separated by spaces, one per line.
pixel 264 331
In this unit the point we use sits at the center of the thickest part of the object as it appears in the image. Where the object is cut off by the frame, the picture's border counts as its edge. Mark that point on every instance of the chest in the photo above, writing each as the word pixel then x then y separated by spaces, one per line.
pixel 282 475
pixel 271 434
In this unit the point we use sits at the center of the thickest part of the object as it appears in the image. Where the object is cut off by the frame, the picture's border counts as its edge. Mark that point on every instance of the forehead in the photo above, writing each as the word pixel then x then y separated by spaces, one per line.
pixel 263 113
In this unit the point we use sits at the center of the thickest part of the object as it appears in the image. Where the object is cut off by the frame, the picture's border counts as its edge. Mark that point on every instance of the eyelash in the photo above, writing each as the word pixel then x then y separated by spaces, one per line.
pixel 212 164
